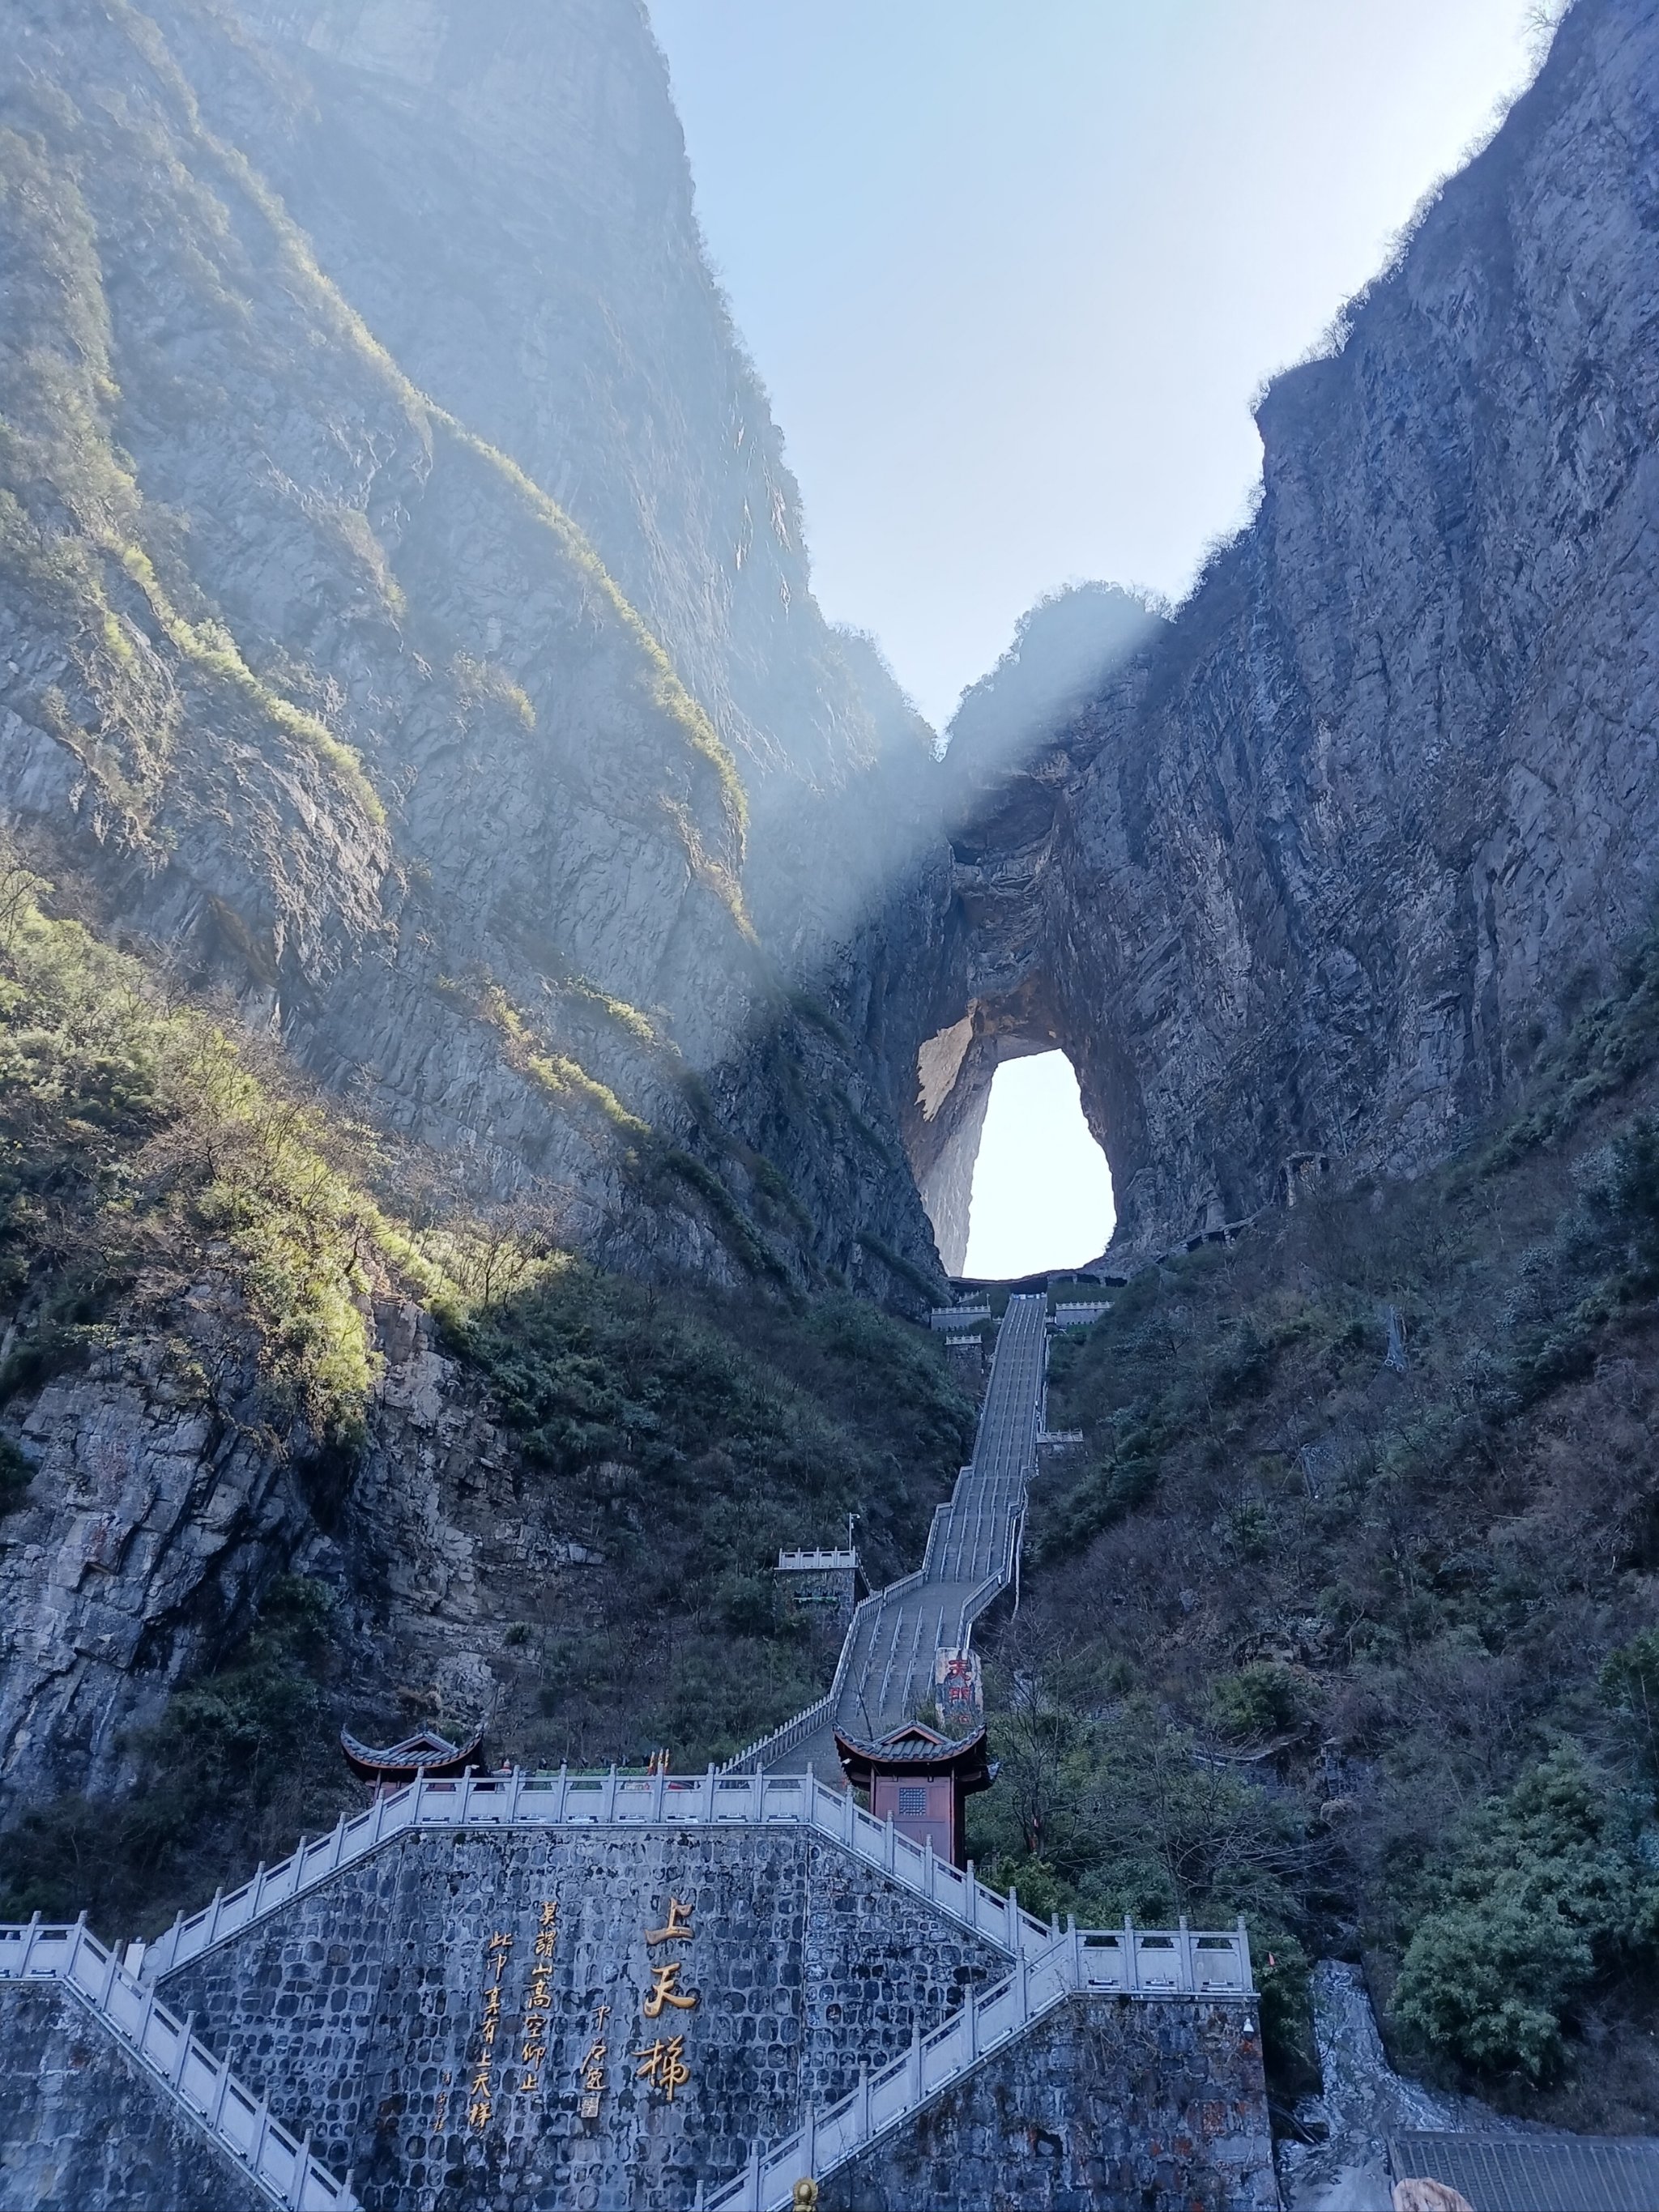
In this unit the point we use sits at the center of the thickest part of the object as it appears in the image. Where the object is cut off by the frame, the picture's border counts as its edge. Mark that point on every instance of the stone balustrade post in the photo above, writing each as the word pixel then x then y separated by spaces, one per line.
pixel 181 2057
pixel 708 1793
pixel 220 2091
pixel 1131 1956
pixel 301 2175
pixel 564 1791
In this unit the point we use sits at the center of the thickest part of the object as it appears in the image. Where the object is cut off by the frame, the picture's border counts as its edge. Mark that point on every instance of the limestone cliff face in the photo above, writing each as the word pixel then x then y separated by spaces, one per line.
pixel 406 624
pixel 1317 869
pixel 163 1504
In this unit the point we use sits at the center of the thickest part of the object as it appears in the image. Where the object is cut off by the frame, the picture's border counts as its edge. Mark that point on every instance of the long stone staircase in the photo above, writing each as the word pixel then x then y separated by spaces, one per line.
pixel 1129 1963
pixel 886 1670
pixel 886 1667
pixel 1047 1965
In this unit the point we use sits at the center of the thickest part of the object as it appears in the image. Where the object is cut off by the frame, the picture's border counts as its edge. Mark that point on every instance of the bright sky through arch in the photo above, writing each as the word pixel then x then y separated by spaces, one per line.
pixel 1042 1192
pixel 1012 272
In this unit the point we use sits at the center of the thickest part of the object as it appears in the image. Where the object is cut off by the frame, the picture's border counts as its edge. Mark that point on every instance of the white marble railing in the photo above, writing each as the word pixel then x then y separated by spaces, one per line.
pixel 783 1741
pixel 278 2163
pixel 582 1801
pixel 1127 1962
pixel 944 1317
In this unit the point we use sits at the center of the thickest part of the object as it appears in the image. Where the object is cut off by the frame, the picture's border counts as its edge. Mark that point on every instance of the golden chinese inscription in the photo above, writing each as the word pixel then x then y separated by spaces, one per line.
pixel 481 2097
pixel 539 2006
pixel 665 2066
pixel 665 1991
pixel 678 1928
pixel 591 2068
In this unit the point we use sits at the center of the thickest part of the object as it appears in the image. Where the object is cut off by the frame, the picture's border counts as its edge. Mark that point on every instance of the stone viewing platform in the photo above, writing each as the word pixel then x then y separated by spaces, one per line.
pixel 613 1989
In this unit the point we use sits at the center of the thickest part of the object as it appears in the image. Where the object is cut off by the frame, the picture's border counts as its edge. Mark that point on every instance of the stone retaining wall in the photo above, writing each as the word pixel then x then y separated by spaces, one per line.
pixel 85 2128
pixel 1116 2103
pixel 363 2008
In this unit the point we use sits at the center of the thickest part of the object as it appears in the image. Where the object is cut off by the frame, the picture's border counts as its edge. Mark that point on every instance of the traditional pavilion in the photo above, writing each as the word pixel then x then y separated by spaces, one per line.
pixel 424 1753
pixel 922 1779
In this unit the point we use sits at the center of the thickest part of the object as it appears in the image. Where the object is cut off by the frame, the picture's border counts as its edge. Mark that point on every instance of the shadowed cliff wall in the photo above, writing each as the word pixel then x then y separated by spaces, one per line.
pixel 1316 870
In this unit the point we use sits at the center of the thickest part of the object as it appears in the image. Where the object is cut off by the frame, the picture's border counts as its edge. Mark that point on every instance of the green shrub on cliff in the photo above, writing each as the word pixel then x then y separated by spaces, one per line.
pixel 1382 1594
pixel 141 1151
pixel 1546 1886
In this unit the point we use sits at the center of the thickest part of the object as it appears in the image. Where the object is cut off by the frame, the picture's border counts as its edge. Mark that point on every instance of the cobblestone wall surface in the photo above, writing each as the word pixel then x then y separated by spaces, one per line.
pixel 380 2012
pixel 83 2127
pixel 1113 2105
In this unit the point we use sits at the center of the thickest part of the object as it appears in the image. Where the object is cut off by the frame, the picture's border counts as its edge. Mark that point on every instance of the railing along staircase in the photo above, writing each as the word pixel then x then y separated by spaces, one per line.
pixel 278 2163
pixel 1131 1962
pixel 583 1801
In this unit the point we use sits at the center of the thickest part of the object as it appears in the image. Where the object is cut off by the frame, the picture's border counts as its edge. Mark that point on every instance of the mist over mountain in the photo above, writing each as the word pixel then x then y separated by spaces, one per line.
pixel 1064 649
pixel 498 1000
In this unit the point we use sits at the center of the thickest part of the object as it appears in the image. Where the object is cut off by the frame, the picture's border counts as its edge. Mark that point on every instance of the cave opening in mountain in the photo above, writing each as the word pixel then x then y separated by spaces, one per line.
pixel 1043 1188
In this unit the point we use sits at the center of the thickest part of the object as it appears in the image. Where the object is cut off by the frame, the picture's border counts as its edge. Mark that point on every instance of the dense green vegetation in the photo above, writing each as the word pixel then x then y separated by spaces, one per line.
pixel 166 1189
pixel 1345 1614
pixel 684 1438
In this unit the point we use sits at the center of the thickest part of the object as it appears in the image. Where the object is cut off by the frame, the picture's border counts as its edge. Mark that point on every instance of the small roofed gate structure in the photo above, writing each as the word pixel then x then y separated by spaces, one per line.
pixel 922 1780
pixel 424 1753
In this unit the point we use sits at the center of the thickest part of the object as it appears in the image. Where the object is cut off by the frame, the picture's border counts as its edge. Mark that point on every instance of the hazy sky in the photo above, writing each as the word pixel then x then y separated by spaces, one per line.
pixel 1011 270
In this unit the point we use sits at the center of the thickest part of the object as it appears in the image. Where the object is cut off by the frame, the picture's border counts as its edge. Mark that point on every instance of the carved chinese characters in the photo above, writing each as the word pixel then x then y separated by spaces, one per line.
pixel 539 2003
pixel 663 2061
pixel 480 2102
pixel 591 2068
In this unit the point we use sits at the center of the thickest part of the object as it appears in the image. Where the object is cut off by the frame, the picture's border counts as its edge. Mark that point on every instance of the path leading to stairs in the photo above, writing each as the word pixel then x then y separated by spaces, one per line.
pixel 887 1667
